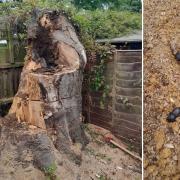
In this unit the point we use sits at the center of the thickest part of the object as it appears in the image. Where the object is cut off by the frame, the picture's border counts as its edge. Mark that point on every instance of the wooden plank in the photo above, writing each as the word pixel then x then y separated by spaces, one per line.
pixel 135 100
pixel 129 91
pixel 129 67
pixel 18 78
pixel 129 59
pixel 9 81
pixel 17 73
pixel 99 122
pixel 9 66
pixel 128 124
pixel 4 55
pixel 131 109
pixel 1 85
pixel 129 53
pixel 135 118
pixel 128 83
pixel 104 112
pixel 128 133
pixel 5 83
pixel 135 75
pixel 6 100
pixel 101 117
pixel 135 142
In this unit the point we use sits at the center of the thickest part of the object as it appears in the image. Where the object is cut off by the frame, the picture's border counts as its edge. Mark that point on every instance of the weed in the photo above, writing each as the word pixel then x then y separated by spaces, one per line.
pixel 50 172
pixel 104 177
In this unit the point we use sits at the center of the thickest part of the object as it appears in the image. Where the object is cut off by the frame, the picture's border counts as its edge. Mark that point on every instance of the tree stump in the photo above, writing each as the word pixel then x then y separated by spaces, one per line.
pixel 49 94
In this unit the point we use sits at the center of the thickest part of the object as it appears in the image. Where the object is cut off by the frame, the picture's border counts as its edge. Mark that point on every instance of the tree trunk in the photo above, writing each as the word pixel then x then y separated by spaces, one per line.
pixel 49 94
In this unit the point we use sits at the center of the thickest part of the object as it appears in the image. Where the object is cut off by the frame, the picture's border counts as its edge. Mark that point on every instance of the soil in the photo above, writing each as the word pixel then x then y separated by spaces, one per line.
pixel 161 89
pixel 25 149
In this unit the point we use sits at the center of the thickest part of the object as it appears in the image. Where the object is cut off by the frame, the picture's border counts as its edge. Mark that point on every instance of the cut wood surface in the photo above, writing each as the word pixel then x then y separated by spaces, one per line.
pixel 49 94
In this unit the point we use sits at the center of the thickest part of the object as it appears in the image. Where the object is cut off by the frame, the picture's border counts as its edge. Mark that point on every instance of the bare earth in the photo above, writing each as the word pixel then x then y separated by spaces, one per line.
pixel 100 160
pixel 162 89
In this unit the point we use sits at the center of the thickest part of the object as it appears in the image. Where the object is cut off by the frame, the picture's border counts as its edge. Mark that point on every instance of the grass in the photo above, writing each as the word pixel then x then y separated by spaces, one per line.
pixel 104 177
pixel 50 172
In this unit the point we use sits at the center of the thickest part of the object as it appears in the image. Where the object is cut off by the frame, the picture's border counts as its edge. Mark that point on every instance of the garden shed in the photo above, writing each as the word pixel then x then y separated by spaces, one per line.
pixel 122 111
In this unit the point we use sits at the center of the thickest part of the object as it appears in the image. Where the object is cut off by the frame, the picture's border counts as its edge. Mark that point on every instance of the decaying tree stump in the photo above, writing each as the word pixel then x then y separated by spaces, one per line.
pixel 49 94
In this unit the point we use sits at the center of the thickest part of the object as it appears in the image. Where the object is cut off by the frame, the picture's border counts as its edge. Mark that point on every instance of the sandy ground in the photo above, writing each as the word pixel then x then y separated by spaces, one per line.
pixel 162 89
pixel 100 160
pixel 106 162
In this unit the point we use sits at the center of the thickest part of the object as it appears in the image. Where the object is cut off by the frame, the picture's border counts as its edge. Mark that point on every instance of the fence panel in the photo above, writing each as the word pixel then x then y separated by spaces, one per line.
pixel 121 113
pixel 127 97
pixel 11 62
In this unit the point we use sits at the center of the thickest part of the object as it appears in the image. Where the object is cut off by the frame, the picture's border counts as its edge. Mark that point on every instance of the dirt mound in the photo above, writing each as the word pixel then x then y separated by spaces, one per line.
pixel 27 152
pixel 161 88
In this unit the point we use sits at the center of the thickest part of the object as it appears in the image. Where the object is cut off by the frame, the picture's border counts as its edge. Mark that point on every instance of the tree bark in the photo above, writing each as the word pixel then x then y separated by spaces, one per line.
pixel 49 94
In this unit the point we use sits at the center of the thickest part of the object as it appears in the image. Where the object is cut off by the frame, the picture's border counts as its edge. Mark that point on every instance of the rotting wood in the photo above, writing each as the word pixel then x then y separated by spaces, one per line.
pixel 49 94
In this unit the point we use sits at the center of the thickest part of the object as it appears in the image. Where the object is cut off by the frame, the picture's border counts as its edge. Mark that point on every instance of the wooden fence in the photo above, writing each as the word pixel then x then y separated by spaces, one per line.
pixel 9 80
pixel 11 62
pixel 121 113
